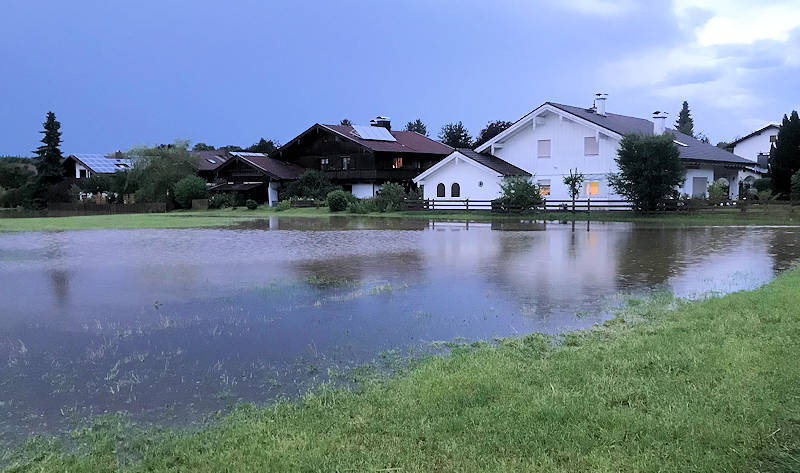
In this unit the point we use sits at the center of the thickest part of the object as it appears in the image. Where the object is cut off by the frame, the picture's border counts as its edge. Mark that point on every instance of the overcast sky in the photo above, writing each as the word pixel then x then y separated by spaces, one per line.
pixel 124 73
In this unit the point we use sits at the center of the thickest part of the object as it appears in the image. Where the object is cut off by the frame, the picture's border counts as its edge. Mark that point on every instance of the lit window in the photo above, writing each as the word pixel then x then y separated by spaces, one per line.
pixel 544 187
pixel 455 190
pixel 590 146
pixel 397 163
pixel 773 138
pixel 323 162
pixel 592 188
pixel 345 163
pixel 544 149
pixel 440 190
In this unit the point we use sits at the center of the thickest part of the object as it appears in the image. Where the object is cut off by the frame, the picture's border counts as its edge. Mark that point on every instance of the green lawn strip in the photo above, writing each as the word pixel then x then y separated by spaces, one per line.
pixel 700 386
pixel 226 217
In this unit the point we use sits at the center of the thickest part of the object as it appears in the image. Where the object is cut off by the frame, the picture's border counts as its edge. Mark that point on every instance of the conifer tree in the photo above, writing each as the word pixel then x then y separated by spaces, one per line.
pixel 685 124
pixel 784 156
pixel 48 155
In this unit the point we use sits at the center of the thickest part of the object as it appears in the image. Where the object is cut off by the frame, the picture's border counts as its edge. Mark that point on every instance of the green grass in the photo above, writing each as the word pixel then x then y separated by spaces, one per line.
pixel 670 386
pixel 775 215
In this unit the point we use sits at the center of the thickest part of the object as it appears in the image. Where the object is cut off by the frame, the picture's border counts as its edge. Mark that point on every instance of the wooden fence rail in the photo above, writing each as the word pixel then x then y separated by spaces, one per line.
pixel 583 205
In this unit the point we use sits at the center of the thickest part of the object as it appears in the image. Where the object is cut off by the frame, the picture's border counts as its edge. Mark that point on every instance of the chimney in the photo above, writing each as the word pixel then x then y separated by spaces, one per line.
pixel 600 103
pixel 659 122
pixel 382 121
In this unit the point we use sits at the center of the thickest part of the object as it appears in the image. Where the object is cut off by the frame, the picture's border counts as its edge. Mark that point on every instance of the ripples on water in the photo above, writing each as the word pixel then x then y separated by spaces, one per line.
pixel 173 324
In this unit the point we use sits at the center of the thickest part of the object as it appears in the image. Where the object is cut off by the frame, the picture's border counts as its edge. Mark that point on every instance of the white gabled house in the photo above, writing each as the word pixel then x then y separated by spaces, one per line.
pixel 755 147
pixel 554 138
pixel 465 174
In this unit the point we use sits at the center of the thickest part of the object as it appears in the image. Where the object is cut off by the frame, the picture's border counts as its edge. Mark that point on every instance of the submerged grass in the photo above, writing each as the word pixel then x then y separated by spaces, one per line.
pixel 669 386
pixel 774 215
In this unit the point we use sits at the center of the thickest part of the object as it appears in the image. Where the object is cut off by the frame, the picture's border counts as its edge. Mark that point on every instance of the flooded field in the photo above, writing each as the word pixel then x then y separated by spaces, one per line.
pixel 174 325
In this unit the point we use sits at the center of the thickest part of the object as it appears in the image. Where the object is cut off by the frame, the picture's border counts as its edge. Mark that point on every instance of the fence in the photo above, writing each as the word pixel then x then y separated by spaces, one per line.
pixel 68 209
pixel 583 205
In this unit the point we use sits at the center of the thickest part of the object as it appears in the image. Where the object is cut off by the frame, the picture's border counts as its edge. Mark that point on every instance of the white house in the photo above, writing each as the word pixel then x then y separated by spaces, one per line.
pixel 554 138
pixel 755 147
pixel 465 174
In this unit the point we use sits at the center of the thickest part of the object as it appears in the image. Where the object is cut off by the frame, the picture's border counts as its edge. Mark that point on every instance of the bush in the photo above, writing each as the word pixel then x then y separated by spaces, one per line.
pixel 312 184
pixel 519 193
pixel 796 186
pixel 764 184
pixel 391 196
pixel 717 193
pixel 363 206
pixel 338 200
pixel 251 204
pixel 284 205
pixel 221 201
pixel 189 188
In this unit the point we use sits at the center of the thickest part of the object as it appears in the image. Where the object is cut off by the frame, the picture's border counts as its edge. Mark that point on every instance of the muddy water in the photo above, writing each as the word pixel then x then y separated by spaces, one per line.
pixel 171 325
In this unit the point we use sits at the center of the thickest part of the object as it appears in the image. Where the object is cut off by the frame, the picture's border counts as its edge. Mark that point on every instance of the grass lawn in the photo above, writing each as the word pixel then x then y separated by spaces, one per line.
pixel 668 387
pixel 775 215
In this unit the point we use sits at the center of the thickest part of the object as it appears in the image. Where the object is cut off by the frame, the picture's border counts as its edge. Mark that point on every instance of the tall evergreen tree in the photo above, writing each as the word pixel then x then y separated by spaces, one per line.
pixel 784 156
pixel 491 130
pixel 417 126
pixel 48 155
pixel 455 135
pixel 685 124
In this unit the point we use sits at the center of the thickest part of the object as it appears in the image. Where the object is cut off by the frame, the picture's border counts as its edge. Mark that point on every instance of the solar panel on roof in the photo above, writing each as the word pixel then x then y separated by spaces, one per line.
pixel 102 164
pixel 376 133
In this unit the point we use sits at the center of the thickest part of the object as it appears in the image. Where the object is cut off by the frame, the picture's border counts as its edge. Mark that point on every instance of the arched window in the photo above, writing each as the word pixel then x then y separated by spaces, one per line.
pixel 455 190
pixel 440 190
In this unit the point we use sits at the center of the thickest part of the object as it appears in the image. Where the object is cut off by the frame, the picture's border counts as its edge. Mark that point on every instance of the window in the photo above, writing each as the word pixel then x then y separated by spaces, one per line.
pixel 590 146
pixel 455 190
pixel 592 188
pixel 773 138
pixel 82 173
pixel 346 163
pixel 397 163
pixel 323 162
pixel 544 187
pixel 440 190
pixel 544 149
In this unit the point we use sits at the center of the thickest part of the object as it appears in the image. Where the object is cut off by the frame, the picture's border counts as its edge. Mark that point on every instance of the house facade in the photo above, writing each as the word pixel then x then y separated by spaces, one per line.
pixel 756 144
pixel 555 138
pixel 255 176
pixel 466 174
pixel 361 158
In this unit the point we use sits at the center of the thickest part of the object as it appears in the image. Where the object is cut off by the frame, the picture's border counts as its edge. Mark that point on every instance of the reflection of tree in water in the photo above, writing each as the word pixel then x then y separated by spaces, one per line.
pixel 59 280
pixel 650 256
pixel 347 222
pixel 784 247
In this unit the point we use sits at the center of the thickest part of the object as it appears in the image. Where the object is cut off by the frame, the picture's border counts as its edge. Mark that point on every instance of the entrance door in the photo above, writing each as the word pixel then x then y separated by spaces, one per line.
pixel 699 186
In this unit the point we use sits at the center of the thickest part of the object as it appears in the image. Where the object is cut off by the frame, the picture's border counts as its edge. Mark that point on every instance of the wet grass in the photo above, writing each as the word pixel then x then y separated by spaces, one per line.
pixel 771 215
pixel 668 386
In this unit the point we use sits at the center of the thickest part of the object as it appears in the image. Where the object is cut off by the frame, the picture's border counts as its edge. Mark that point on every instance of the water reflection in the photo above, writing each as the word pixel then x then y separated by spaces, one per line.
pixel 171 324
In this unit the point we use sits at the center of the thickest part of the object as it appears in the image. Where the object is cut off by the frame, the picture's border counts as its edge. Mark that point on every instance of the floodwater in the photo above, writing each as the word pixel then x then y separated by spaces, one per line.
pixel 174 325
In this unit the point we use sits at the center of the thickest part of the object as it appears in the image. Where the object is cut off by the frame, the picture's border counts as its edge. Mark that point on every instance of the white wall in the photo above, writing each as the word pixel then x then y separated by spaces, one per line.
pixel 751 147
pixel 363 190
pixel 687 188
pixel 79 168
pixel 468 176
pixel 272 194
pixel 566 150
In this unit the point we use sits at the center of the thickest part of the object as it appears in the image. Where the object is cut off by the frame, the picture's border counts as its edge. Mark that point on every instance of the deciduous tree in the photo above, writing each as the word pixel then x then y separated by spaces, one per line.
pixel 491 130
pixel 455 135
pixel 417 126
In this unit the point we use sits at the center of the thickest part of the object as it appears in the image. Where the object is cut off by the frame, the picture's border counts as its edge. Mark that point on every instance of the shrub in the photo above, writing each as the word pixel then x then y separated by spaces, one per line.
pixel 251 204
pixel 391 196
pixel 764 196
pixel 796 186
pixel 284 205
pixel 717 192
pixel 220 201
pixel 363 206
pixel 650 170
pixel 764 184
pixel 312 184
pixel 519 193
pixel 189 188
pixel 338 200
